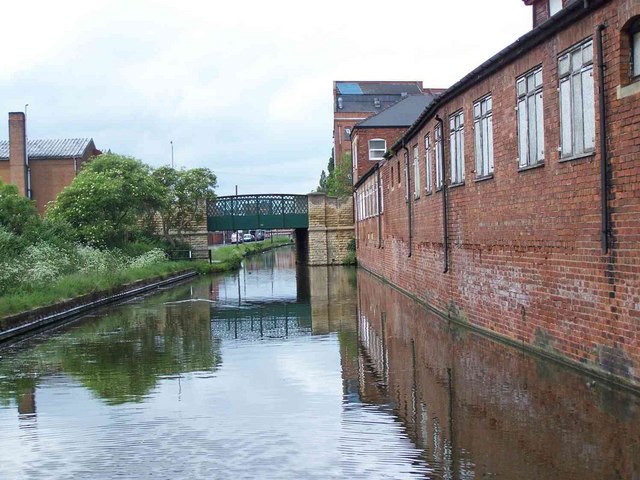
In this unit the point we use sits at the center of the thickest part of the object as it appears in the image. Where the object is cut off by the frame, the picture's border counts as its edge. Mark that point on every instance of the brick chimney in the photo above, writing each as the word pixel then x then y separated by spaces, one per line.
pixel 18 151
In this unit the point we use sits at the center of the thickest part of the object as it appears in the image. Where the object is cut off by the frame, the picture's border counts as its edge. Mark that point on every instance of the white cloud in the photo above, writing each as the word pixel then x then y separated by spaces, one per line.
pixel 241 87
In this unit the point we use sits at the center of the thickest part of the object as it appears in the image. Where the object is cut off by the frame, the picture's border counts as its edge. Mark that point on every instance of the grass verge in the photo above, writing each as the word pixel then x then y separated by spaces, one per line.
pixel 69 286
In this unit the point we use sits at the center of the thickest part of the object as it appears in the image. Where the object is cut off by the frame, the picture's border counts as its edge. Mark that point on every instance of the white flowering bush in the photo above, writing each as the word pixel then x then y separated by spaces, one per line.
pixel 43 263
pixel 91 259
pixel 155 255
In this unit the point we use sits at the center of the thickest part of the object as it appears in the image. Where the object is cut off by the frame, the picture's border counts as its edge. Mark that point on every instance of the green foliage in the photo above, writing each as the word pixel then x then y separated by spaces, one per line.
pixel 105 200
pixel 322 185
pixel 17 213
pixel 340 181
pixel 184 197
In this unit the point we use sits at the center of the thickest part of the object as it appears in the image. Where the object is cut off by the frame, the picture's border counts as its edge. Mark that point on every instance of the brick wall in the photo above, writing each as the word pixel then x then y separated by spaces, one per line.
pixel 525 259
pixel 330 229
pixel 362 164
pixel 342 120
pixel 454 389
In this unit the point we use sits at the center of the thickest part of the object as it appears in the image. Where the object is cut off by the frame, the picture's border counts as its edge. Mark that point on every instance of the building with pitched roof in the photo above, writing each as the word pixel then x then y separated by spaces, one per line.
pixel 371 137
pixel 41 169
pixel 354 101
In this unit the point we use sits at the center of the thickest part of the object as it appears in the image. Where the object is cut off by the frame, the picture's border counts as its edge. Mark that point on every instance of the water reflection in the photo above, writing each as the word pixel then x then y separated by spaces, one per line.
pixel 481 409
pixel 278 371
pixel 119 356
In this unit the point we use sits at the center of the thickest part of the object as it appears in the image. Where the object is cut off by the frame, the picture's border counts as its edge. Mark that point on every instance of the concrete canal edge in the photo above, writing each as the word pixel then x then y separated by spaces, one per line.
pixel 25 322
pixel 610 379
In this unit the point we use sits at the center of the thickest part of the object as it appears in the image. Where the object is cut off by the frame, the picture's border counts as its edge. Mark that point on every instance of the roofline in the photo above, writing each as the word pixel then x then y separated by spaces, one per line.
pixel 570 14
pixel 364 177
pixel 367 127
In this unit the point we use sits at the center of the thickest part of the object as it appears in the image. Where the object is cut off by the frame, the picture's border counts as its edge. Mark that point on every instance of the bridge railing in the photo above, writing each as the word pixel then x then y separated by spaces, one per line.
pixel 239 212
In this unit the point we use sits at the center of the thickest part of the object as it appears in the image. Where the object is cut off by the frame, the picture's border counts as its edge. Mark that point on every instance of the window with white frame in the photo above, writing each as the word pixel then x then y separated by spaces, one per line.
pixel 427 163
pixel 634 33
pixel 530 119
pixel 367 199
pixel 456 140
pixel 377 147
pixel 416 172
pixel 354 156
pixel 438 159
pixel 554 6
pixel 347 134
pixel 406 176
pixel 483 135
pixel 577 102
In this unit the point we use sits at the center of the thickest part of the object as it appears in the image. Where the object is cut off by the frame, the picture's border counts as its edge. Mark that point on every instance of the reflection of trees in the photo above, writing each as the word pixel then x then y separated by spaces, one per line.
pixel 121 360
pixel 120 356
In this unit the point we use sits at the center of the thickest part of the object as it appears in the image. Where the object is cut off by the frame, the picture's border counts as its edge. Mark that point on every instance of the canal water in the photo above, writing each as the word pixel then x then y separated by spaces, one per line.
pixel 281 372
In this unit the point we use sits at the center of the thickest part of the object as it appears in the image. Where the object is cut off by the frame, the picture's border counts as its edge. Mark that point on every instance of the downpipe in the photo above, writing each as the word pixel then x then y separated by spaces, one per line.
pixel 408 195
pixel 604 180
pixel 445 209
pixel 379 206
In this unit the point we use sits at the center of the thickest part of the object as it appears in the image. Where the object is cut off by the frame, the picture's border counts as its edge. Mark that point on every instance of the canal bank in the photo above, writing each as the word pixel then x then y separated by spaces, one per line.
pixel 224 376
pixel 62 309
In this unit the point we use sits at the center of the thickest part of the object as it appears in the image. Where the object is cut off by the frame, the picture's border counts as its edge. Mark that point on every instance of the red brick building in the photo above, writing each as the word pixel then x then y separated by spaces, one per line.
pixel 370 137
pixel 41 168
pixel 354 101
pixel 524 221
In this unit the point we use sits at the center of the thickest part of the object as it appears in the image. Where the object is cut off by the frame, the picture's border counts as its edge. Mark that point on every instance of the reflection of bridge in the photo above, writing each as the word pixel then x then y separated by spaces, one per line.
pixel 271 320
pixel 248 212
pixel 323 225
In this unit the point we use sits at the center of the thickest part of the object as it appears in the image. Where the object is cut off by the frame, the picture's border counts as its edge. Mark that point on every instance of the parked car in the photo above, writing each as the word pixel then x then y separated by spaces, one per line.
pixel 259 235
pixel 236 237
pixel 247 237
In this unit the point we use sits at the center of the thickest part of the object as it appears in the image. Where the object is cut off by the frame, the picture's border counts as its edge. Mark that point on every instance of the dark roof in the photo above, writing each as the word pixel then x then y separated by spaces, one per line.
pixel 57 148
pixel 568 15
pixel 378 88
pixel 401 114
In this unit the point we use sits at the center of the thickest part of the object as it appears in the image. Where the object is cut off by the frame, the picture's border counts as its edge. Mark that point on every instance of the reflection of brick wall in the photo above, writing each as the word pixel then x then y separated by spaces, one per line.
pixel 525 258
pixel 477 404
pixel 330 229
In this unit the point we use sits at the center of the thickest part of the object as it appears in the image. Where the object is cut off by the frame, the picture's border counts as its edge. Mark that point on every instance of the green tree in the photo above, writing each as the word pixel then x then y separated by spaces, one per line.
pixel 105 201
pixel 18 214
pixel 340 180
pixel 322 185
pixel 185 194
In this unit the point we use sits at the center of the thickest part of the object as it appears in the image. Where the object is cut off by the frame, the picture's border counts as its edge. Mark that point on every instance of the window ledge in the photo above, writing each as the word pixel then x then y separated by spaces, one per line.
pixel 439 189
pixel 428 192
pixel 483 178
pixel 531 167
pixel 628 90
pixel 456 185
pixel 577 157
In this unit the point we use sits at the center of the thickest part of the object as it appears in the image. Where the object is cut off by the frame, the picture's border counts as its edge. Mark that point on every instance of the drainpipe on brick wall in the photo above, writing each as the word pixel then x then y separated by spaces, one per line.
pixel 604 180
pixel 379 206
pixel 445 213
pixel 408 194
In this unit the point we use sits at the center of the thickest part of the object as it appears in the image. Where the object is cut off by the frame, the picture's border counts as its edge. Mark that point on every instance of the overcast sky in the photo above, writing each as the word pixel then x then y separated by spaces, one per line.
pixel 244 88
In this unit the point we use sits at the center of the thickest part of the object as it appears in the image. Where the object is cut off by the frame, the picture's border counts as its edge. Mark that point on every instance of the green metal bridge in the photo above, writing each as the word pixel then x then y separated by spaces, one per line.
pixel 246 212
